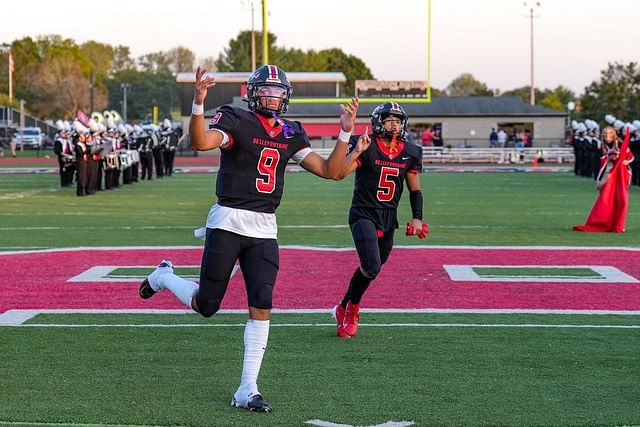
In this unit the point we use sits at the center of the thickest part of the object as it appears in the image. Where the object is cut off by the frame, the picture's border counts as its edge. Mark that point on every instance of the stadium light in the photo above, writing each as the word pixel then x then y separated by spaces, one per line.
pixel 253 33
pixel 531 15
pixel 265 34
pixel 125 87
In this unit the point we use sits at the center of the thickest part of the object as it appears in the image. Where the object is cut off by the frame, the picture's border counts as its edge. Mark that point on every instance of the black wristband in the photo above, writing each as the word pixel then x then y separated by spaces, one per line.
pixel 415 198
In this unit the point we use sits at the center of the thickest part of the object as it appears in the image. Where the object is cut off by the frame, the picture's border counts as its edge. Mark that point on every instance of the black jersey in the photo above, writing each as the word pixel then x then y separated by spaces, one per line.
pixel 379 181
pixel 253 163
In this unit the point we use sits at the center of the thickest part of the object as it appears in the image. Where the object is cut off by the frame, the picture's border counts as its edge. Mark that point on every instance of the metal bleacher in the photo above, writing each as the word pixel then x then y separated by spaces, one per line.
pixel 446 155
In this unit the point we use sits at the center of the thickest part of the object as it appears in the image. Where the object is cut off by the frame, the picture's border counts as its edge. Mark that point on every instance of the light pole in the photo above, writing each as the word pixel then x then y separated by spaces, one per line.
pixel 531 15
pixel 253 36
pixel 125 87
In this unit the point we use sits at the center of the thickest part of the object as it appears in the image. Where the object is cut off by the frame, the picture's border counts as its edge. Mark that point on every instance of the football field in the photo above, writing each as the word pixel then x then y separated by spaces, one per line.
pixel 503 316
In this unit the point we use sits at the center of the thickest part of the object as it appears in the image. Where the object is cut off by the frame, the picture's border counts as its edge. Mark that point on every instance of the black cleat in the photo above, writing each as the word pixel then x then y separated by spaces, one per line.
pixel 146 291
pixel 255 404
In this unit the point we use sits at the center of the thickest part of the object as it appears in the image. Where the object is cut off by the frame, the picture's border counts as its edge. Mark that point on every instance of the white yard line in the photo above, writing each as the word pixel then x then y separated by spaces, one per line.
pixel 19 317
pixel 326 248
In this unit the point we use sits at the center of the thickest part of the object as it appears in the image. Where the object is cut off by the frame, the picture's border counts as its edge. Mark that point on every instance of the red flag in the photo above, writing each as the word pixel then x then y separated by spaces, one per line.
pixel 82 116
pixel 609 212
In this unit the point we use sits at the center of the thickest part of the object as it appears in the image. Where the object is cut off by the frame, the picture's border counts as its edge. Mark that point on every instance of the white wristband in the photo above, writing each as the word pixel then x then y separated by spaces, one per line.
pixel 344 136
pixel 197 109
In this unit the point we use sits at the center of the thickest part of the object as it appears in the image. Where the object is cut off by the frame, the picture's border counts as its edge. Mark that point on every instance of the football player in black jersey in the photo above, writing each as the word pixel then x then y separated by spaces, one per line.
pixel 255 147
pixel 383 163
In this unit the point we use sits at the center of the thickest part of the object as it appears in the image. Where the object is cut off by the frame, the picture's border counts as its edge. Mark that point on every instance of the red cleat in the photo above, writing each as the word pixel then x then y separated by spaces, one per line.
pixel 351 319
pixel 338 314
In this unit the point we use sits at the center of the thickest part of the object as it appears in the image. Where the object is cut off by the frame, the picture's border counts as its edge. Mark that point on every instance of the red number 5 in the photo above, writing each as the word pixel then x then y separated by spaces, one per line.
pixel 267 165
pixel 386 186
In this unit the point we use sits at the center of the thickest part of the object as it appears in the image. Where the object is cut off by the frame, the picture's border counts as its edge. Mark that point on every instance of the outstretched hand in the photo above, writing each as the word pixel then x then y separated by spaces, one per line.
pixel 203 83
pixel 364 141
pixel 348 114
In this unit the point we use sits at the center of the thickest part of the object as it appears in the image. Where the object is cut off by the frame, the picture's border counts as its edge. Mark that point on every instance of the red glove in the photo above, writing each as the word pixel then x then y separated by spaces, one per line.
pixel 424 232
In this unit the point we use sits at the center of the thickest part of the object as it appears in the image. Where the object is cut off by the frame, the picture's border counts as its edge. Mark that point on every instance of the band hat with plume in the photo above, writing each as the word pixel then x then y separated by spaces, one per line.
pixel 79 128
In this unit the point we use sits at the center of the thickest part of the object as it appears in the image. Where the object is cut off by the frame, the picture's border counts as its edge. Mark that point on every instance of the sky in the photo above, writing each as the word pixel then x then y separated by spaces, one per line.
pixel 574 40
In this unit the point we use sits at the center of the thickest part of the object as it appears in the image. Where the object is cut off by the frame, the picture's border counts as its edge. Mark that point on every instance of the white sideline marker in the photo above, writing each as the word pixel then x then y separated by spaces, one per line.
pixel 465 273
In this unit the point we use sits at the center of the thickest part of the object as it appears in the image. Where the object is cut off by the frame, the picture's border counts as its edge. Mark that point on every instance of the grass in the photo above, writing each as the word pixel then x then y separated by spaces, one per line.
pixel 575 272
pixel 432 375
pixel 462 209
pixel 431 369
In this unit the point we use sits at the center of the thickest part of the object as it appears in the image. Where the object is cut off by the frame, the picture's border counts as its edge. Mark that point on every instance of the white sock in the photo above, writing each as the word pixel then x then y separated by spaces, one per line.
pixel 181 288
pixel 256 334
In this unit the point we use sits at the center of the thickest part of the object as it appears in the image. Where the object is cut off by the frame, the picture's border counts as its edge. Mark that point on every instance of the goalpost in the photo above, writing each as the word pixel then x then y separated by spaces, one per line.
pixel 363 100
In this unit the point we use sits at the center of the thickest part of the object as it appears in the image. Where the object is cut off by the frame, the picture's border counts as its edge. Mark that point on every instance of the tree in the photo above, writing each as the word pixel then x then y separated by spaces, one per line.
pixel 58 88
pixel 146 89
pixel 467 85
pixel 155 62
pixel 182 59
pixel 51 75
pixel 100 55
pixel 208 63
pixel 352 67
pixel 237 57
pixel 122 59
pixel 523 92
pixel 617 92
pixel 556 99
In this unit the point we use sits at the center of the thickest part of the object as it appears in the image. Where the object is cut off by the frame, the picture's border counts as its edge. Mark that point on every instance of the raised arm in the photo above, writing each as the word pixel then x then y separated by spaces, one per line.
pixel 349 164
pixel 330 168
pixel 200 139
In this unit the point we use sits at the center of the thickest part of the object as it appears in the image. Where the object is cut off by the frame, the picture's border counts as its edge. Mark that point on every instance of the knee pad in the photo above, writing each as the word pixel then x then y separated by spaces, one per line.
pixel 261 297
pixel 207 307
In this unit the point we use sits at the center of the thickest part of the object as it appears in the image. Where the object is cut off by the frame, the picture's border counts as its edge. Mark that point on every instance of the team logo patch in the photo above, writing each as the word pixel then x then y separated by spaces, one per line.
pixel 214 120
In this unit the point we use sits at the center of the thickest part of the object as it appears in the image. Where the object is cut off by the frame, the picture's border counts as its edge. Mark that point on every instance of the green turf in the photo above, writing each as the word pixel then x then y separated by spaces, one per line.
pixel 432 369
pixel 441 375
pixel 576 272
pixel 462 209
pixel 134 272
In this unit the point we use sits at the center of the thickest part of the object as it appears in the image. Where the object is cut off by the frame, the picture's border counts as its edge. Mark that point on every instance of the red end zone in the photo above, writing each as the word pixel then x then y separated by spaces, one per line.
pixel 413 278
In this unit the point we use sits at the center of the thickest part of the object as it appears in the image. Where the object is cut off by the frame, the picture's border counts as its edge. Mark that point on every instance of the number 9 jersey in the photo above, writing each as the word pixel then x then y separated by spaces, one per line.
pixel 254 160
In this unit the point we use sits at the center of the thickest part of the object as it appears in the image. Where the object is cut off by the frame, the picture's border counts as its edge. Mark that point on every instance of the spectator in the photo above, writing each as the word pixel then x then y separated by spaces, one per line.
pixel 12 144
pixel 502 140
pixel 528 140
pixel 493 138
pixel 427 137
pixel 437 138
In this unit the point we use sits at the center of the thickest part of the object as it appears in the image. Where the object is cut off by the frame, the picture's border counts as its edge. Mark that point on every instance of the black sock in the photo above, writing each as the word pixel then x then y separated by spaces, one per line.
pixel 357 287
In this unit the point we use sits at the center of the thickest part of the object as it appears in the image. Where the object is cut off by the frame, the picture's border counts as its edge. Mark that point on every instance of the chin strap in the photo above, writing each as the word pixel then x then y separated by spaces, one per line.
pixel 393 145
pixel 287 129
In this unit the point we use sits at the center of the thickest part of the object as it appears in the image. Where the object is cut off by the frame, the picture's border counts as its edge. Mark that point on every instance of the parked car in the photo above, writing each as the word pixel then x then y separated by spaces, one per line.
pixel 31 137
